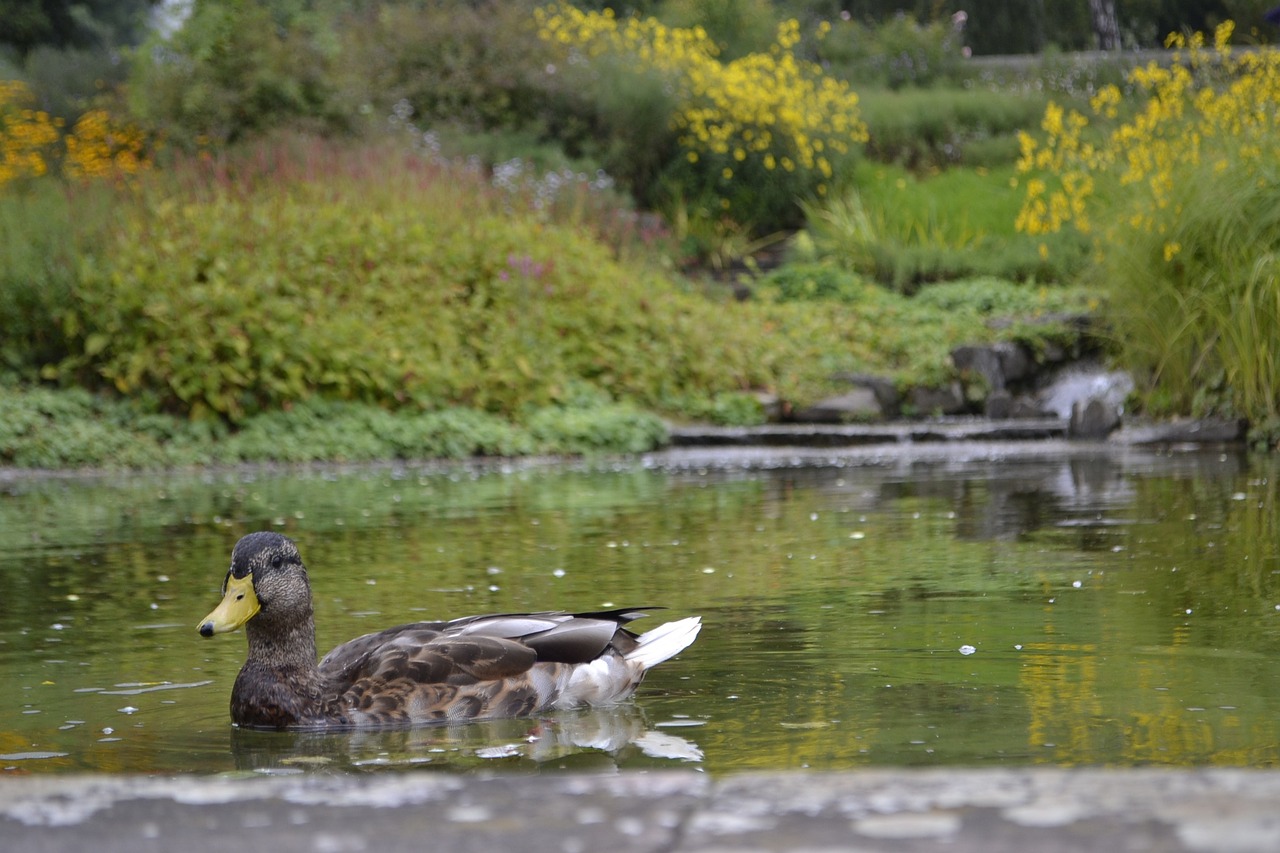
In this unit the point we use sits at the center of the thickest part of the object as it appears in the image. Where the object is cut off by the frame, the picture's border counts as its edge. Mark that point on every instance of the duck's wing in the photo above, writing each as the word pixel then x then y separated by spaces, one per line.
pixel 555 636
pixel 446 677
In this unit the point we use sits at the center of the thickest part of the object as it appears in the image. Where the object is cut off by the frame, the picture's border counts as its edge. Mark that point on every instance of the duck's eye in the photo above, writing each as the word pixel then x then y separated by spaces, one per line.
pixel 277 561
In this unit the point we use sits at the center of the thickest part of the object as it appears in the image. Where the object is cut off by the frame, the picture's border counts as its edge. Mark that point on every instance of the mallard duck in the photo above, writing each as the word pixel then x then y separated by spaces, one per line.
pixel 473 668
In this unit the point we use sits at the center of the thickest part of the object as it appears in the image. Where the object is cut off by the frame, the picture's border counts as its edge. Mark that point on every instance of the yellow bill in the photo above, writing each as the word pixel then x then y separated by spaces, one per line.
pixel 239 604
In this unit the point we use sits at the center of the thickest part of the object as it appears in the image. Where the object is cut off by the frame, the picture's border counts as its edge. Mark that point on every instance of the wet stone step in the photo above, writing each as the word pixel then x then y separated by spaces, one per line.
pixel 852 435
pixel 962 811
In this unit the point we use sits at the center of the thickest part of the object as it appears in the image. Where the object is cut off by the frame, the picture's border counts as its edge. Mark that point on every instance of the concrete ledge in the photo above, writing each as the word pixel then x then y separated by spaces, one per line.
pixel 951 431
pixel 1047 810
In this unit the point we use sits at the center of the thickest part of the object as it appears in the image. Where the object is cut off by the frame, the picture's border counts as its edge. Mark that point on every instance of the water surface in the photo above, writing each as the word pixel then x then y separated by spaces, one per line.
pixel 1117 608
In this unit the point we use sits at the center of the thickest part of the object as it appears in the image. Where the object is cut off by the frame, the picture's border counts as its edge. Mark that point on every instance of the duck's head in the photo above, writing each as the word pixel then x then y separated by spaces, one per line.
pixel 267 581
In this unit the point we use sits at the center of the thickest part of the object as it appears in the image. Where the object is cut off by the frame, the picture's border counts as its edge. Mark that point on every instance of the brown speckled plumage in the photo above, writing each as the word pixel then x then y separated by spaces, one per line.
pixel 472 668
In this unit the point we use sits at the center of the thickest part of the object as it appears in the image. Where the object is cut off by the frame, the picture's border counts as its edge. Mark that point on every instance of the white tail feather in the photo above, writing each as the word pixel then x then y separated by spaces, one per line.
pixel 664 642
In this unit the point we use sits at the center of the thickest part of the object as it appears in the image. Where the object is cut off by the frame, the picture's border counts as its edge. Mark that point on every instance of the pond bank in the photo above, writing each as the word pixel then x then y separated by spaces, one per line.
pixel 1044 809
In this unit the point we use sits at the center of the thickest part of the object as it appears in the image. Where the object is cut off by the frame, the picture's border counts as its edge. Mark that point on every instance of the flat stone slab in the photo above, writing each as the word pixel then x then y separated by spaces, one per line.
pixel 949 431
pixel 1050 810
pixel 851 435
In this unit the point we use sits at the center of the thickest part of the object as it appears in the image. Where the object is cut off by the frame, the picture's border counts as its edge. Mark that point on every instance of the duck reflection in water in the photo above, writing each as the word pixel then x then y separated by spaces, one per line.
pixel 595 738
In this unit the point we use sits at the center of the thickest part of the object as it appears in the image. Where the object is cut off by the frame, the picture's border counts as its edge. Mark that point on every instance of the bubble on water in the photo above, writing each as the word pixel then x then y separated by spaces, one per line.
pixel 127 709
pixel 857 534
pixel 967 649
pixel 558 573
pixel 1017 646
pixel 1077 584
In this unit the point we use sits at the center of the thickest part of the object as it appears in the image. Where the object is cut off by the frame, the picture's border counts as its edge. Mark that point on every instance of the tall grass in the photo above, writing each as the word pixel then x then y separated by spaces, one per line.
pixel 1180 190
pixel 46 228
pixel 905 231
pixel 1197 306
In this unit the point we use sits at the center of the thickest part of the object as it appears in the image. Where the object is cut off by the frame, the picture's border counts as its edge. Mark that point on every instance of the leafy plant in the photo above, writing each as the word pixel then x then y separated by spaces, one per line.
pixel 1176 183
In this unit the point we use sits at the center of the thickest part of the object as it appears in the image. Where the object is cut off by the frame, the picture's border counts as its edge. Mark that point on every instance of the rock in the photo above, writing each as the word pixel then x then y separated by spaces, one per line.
pixel 771 404
pixel 948 400
pixel 998 363
pixel 860 404
pixel 886 391
pixel 998 405
pixel 1093 419
pixel 1207 431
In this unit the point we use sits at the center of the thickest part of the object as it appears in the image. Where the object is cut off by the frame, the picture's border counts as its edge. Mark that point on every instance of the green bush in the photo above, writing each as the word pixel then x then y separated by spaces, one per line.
pixel 319 430
pixel 905 232
pixel 379 279
pixel 947 126
pixel 897 52
pixel 45 226
pixel 41 428
pixel 600 428
pixel 239 68
pixel 477 66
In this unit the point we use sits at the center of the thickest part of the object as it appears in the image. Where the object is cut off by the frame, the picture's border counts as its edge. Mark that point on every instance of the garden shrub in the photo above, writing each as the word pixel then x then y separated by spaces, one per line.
pixel 755 134
pixel 238 68
pixel 381 279
pixel 896 52
pixel 1174 177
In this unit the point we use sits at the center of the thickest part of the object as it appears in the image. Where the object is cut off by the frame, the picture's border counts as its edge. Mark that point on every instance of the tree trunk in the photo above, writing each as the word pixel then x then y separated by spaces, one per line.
pixel 1105 25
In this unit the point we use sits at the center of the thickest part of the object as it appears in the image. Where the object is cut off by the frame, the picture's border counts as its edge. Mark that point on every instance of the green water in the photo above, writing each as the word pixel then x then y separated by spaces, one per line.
pixel 1117 610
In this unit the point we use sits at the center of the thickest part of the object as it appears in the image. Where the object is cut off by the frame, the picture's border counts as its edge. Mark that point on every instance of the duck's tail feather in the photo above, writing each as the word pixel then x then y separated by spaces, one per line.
pixel 664 642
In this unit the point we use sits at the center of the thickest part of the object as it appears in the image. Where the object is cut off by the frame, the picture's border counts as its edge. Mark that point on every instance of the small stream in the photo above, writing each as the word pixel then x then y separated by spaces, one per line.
pixel 1115 608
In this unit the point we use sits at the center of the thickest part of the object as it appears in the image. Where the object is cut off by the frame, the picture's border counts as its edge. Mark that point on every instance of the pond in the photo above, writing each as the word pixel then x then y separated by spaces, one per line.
pixel 1083 606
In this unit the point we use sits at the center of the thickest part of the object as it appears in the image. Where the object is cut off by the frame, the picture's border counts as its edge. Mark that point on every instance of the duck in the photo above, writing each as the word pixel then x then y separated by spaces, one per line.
pixel 470 668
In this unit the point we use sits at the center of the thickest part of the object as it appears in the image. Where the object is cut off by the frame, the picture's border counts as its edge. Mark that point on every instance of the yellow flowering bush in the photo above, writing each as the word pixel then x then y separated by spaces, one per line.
pixel 1175 176
pixel 768 125
pixel 32 142
pixel 27 135
pixel 100 146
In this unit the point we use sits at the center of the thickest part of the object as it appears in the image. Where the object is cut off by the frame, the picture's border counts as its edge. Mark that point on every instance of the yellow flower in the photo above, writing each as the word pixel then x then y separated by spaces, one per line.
pixel 1171 251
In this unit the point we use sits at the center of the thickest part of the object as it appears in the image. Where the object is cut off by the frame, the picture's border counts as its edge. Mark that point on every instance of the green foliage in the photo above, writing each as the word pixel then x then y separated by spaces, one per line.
pixel 238 68
pixel 1175 174
pixel 738 27
pixel 361 282
pixel 474 65
pixel 320 430
pixel 40 428
pixel 44 227
pixel 43 428
pixel 600 428
pixel 911 337
pixel 904 231
pixel 57 24
pixel 896 52
pixel 1201 325
pixel 939 127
